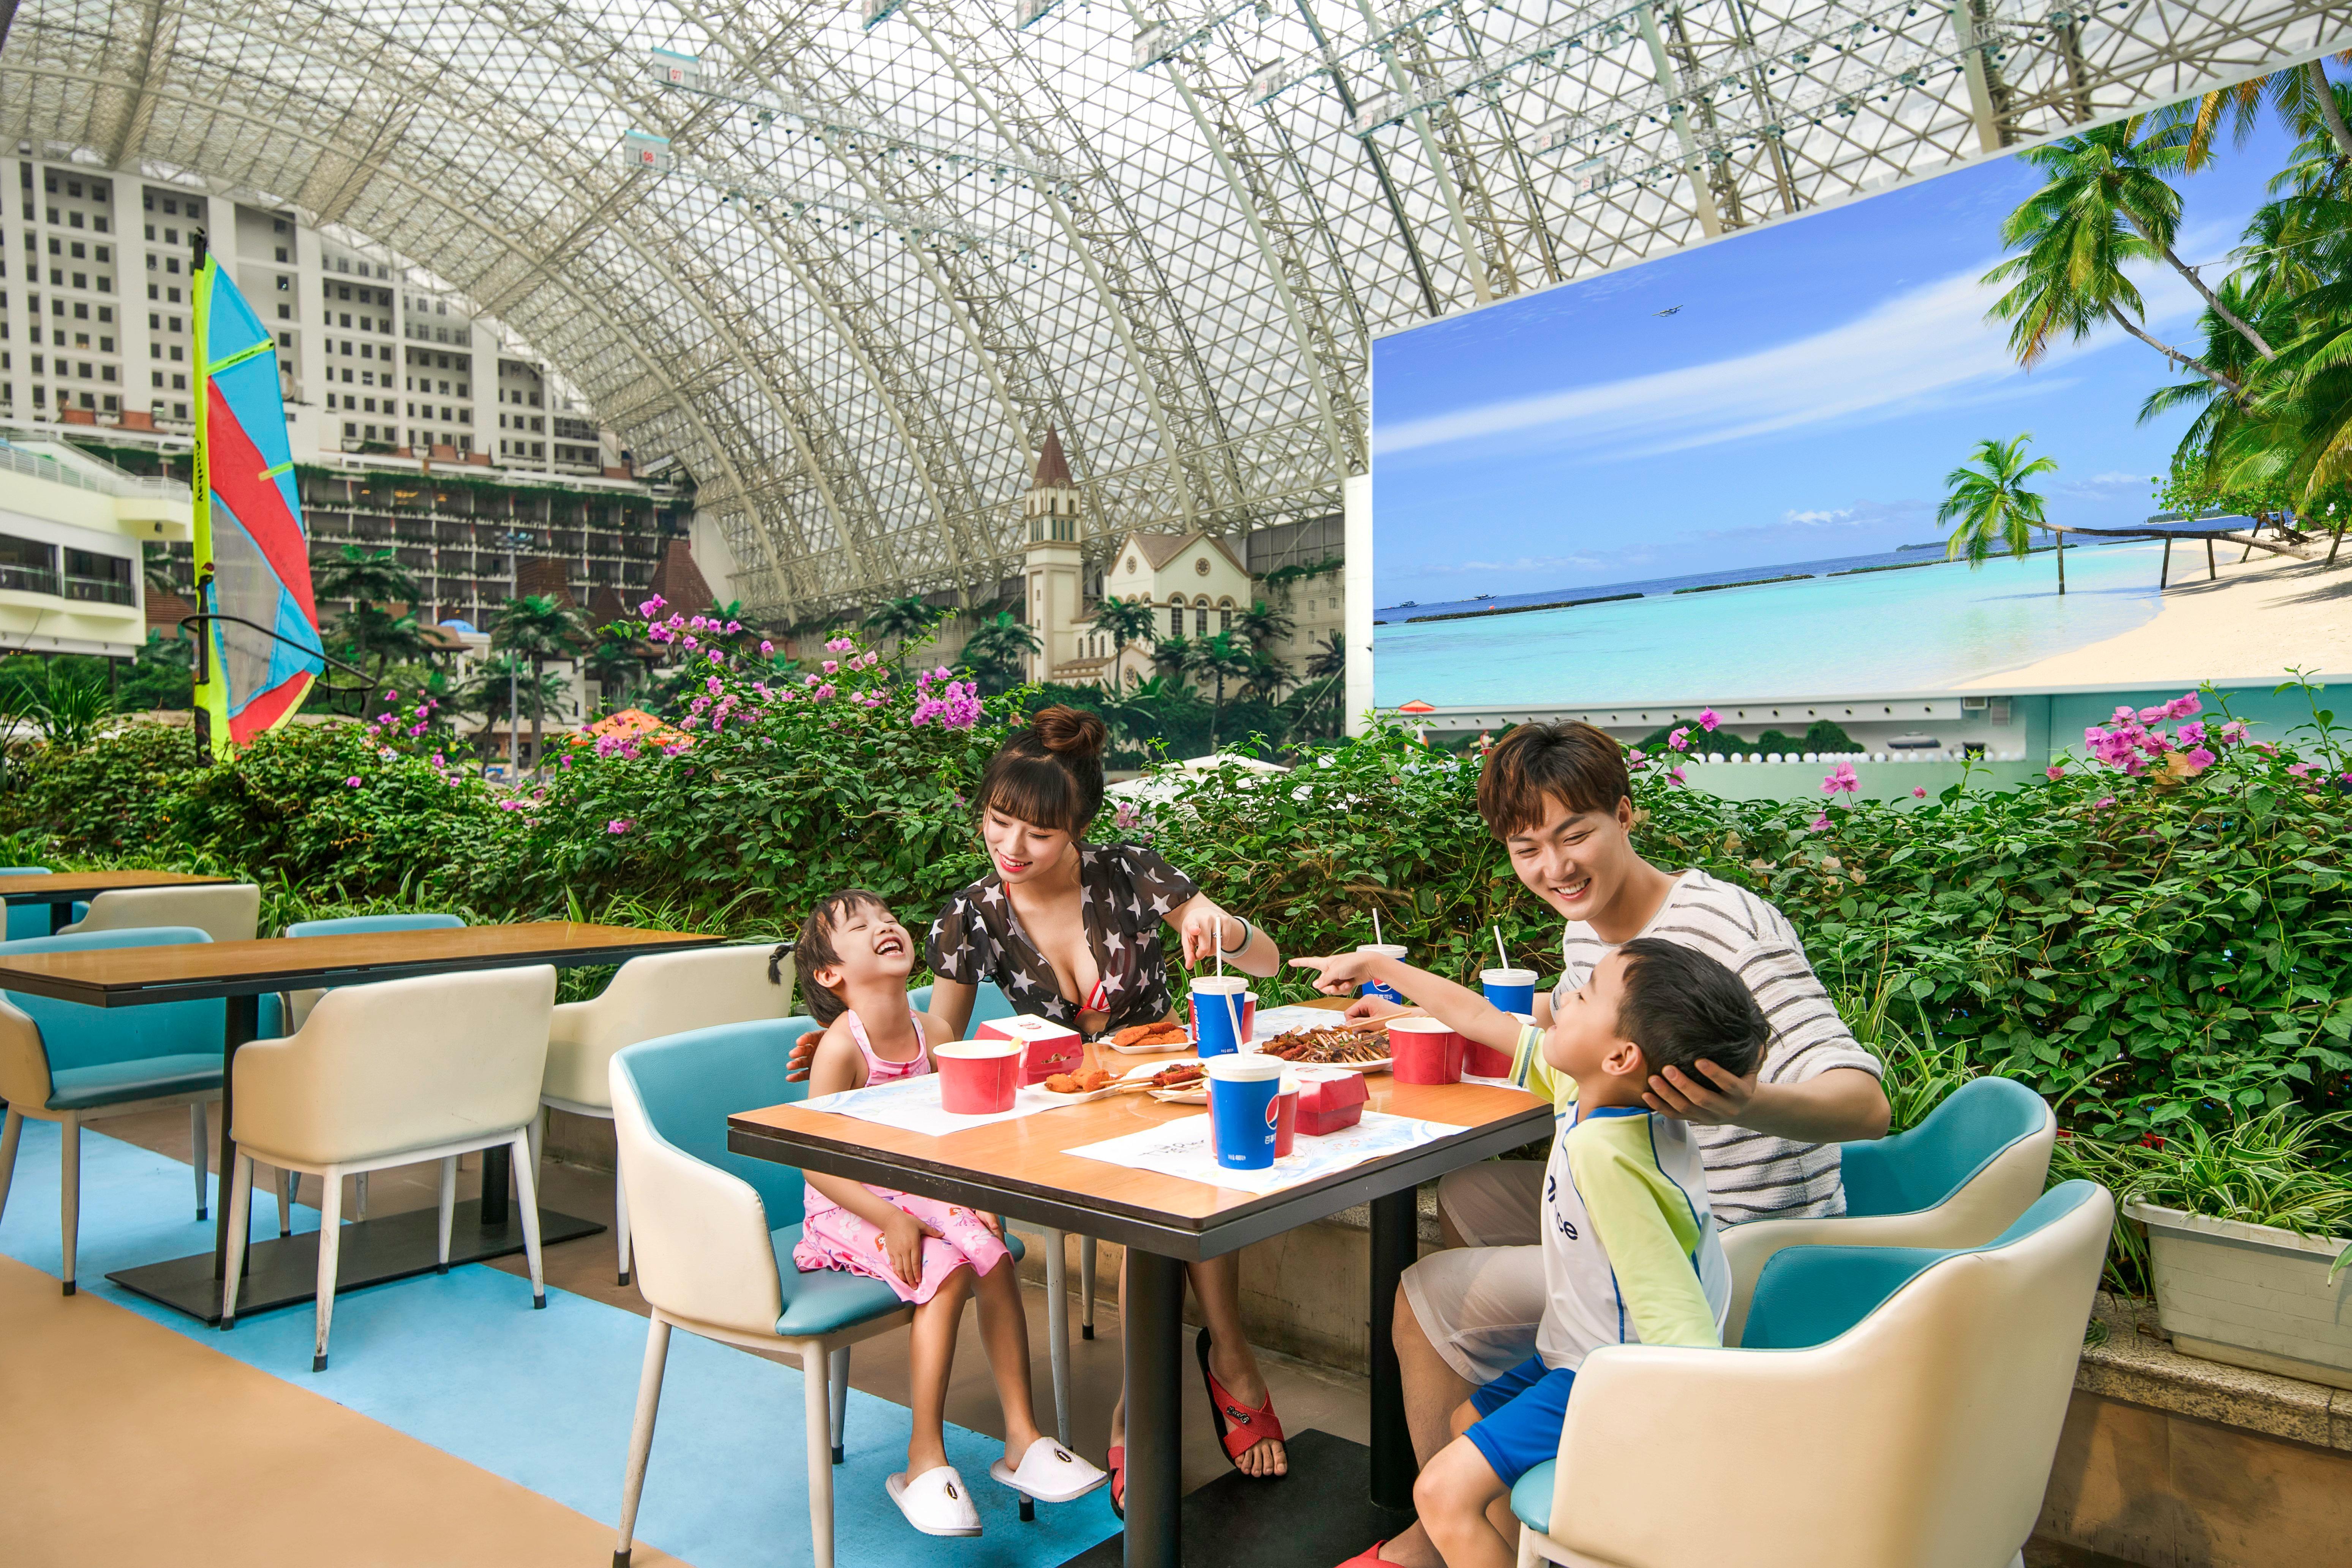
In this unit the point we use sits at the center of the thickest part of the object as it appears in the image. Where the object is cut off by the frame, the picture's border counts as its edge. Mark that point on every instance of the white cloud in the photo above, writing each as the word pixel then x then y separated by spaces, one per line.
pixel 1817 519
pixel 1929 347
pixel 1525 563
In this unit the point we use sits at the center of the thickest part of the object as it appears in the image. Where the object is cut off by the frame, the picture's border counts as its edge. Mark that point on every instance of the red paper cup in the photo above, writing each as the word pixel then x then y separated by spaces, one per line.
pixel 1285 1127
pixel 978 1077
pixel 1422 1051
pixel 1484 1061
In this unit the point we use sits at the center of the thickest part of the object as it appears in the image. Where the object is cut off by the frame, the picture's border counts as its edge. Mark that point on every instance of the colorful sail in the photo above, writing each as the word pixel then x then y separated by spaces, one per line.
pixel 261 644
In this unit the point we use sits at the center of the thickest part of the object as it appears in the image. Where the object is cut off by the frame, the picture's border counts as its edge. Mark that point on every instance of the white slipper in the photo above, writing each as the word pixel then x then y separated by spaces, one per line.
pixel 1048 1473
pixel 936 1502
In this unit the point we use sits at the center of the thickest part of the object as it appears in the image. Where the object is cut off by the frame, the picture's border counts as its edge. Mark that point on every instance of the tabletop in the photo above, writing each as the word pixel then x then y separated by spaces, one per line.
pixel 132 976
pixel 60 887
pixel 1020 1165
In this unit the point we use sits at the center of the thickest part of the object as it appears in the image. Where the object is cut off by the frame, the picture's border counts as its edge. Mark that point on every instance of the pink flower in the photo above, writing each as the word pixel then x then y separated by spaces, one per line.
pixel 767 647
pixel 2056 771
pixel 619 824
pixel 2182 706
pixel 2192 734
pixel 2201 758
pixel 1674 775
pixel 2103 803
pixel 734 627
pixel 1821 823
pixel 354 780
pixel 688 642
pixel 839 645
pixel 808 680
pixel 1842 782
pixel 1679 739
pixel 829 666
pixel 717 658
pixel 1635 757
pixel 392 696
pixel 2299 770
pixel 1708 720
pixel 439 760
pixel 2155 715
pixel 822 692
pixel 1918 792
pixel 2233 732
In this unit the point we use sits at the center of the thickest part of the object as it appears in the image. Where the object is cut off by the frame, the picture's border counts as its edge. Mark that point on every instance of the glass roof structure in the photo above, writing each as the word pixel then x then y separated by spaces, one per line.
pixel 849 263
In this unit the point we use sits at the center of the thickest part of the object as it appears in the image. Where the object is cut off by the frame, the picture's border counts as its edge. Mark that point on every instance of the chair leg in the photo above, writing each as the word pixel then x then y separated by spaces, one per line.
pixel 528 1201
pixel 1529 1556
pixel 837 1381
pixel 448 1212
pixel 290 1182
pixel 814 1380
pixel 197 1161
pixel 69 1194
pixel 12 1128
pixel 539 1139
pixel 359 1195
pixel 240 1201
pixel 1087 1287
pixel 621 1222
pixel 641 1435
pixel 1057 1329
pixel 331 1241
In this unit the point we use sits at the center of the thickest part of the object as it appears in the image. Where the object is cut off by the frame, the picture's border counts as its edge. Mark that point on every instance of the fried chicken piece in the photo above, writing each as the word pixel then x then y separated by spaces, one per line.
pixel 1061 1083
pixel 1093 1079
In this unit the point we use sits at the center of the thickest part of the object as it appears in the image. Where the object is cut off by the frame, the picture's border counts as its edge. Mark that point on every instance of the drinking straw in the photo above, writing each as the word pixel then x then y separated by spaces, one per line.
pixel 1376 928
pixel 1504 958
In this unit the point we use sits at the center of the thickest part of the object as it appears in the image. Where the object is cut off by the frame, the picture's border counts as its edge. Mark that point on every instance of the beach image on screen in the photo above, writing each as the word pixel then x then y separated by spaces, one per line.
pixel 1717 474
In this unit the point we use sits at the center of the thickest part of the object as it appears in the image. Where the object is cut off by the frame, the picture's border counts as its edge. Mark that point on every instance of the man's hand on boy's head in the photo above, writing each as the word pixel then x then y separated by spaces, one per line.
pixel 1718 1100
pixel 1342 972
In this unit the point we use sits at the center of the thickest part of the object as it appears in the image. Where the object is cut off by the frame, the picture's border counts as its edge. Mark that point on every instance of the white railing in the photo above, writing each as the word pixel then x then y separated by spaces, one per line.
pixel 39 465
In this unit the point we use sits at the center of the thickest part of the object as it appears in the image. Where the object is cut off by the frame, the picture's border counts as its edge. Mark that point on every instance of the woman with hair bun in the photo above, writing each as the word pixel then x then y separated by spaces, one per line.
pixel 1073 932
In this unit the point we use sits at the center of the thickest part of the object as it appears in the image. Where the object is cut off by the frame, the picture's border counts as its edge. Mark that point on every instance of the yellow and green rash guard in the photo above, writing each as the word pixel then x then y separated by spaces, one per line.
pixel 1630 1250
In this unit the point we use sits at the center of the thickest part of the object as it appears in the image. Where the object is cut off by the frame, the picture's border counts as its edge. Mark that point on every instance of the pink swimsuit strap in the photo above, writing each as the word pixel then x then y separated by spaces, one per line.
pixel 878 1070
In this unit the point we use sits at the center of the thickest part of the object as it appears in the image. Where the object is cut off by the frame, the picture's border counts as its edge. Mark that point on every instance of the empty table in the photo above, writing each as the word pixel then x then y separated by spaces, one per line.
pixel 282 1272
pixel 61 890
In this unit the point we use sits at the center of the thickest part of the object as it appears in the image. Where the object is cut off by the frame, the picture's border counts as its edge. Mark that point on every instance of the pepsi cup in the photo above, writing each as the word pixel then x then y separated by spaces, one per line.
pixel 1245 1115
pixel 1223 1012
pixel 1512 990
pixel 1373 987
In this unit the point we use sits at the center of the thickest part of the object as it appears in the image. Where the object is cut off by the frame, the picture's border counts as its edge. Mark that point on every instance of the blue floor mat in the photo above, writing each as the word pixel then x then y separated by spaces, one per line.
pixel 460 1361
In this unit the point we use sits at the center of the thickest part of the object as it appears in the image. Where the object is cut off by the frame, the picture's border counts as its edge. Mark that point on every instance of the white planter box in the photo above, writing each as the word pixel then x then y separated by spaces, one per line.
pixel 2248 1295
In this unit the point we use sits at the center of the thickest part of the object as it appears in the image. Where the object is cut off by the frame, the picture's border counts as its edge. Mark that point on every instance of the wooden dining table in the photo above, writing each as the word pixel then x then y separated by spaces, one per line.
pixel 1021 1168
pixel 61 890
pixel 284 1271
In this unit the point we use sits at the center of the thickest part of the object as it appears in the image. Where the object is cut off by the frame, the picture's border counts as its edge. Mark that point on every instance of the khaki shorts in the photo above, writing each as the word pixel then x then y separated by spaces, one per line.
pixel 1497 1203
pixel 1480 1304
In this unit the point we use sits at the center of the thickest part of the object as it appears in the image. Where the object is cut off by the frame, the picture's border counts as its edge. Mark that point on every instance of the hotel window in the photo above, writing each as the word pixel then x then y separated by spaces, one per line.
pixel 105 579
pixel 27 564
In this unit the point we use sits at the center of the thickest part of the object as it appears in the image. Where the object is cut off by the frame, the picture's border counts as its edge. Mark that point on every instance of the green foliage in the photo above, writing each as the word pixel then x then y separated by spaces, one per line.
pixel 995 651
pixel 1822 736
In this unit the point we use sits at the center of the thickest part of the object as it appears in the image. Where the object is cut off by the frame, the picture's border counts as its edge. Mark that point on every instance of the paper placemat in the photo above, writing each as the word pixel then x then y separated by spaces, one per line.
pixel 913 1104
pixel 1272 1021
pixel 1181 1148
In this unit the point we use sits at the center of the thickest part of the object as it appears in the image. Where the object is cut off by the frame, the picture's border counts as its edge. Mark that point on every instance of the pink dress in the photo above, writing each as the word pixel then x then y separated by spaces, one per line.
pixel 834 1237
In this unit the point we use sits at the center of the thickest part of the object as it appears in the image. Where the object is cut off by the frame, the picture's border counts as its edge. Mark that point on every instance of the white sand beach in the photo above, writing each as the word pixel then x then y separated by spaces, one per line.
pixel 2258 617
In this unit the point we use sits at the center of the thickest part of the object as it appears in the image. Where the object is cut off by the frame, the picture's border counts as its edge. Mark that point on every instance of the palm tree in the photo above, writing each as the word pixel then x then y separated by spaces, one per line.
pixel 909 620
pixel 1992 504
pixel 1124 621
pixel 363 577
pixel 1264 624
pixel 1329 658
pixel 1266 677
pixel 486 694
pixel 2302 95
pixel 537 627
pixel 995 651
pixel 368 631
pixel 1172 655
pixel 612 664
pixel 1216 656
pixel 2106 203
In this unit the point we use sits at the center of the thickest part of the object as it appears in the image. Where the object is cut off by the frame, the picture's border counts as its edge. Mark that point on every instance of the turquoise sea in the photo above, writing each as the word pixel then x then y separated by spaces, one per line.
pixel 1924 628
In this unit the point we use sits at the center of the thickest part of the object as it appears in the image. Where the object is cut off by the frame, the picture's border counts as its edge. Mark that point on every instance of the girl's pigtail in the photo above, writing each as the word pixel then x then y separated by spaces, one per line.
pixel 776 962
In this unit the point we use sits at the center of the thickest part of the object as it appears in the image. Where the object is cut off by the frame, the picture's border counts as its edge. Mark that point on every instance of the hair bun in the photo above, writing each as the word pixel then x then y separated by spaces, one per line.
pixel 1070 732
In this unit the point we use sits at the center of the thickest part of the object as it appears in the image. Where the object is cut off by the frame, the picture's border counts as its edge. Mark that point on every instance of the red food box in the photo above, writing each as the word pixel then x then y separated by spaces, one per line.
pixel 1328 1100
pixel 1048 1047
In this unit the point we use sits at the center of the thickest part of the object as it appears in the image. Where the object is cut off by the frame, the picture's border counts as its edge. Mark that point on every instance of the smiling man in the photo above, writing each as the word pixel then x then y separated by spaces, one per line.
pixel 1558 797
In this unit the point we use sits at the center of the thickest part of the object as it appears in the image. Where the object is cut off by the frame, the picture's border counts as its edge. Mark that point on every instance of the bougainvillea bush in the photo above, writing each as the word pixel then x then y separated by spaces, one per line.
pixel 2160 930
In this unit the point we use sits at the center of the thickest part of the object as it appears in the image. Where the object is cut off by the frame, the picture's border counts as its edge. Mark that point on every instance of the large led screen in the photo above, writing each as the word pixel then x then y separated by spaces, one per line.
pixel 1716 475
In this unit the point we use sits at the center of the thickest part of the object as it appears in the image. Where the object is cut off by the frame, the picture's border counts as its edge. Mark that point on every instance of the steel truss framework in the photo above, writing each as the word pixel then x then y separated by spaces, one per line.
pixel 1227 228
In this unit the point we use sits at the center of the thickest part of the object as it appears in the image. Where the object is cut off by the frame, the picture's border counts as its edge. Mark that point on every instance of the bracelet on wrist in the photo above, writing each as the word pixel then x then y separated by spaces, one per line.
pixel 1239 946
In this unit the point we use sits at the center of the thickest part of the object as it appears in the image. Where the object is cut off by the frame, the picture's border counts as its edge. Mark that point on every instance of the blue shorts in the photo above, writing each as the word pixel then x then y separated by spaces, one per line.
pixel 1519 1417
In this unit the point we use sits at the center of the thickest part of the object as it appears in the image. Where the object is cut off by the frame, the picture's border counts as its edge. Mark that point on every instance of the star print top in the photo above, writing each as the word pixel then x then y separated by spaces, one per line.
pixel 1124 893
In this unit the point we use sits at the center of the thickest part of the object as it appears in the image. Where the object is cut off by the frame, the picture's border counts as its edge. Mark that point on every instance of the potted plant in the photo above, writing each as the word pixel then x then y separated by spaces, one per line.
pixel 2249 1232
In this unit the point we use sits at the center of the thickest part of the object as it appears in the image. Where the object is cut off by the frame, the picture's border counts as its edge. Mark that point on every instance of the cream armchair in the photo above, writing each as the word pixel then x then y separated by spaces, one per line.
pixel 394 1074
pixel 224 911
pixel 1892 1406
pixel 662 994
pixel 1959 1179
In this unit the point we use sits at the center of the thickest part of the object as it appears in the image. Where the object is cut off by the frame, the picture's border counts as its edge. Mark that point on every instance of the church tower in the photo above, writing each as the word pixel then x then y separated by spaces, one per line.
pixel 1056 570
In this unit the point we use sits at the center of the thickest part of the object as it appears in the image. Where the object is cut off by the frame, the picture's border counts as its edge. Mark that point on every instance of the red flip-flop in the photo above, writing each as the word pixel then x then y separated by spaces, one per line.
pixel 1239 1428
pixel 1117 1456
pixel 1369 1557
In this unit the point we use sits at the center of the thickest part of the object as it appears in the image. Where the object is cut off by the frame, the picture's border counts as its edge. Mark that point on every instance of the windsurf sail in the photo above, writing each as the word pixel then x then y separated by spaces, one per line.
pixel 259 647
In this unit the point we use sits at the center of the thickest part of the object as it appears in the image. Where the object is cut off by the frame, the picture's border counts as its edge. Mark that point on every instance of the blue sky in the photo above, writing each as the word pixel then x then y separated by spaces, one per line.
pixel 1819 379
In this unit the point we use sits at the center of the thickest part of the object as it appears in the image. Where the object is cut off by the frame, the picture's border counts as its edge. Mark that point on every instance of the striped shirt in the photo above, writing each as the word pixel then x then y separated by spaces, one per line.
pixel 1750 1175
